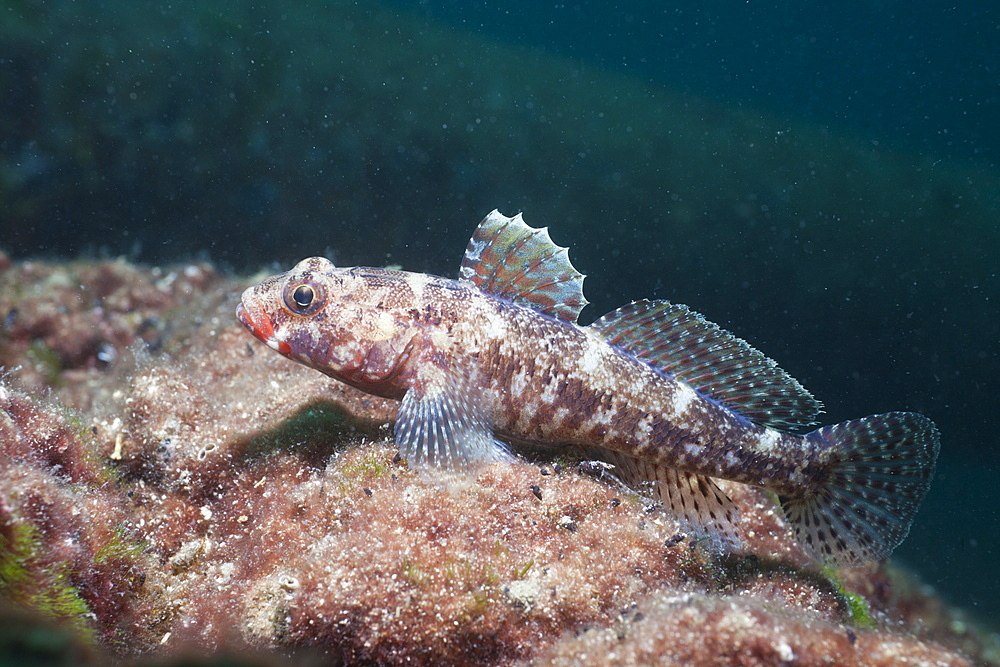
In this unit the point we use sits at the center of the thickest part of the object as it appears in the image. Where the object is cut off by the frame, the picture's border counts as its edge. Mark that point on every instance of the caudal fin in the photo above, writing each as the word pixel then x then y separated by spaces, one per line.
pixel 882 466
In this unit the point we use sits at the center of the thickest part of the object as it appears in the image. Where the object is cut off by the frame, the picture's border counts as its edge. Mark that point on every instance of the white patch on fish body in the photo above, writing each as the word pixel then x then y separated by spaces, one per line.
pixel 769 441
pixel 731 459
pixel 643 429
pixel 603 417
pixel 417 282
pixel 496 326
pixel 591 360
pixel 559 417
pixel 549 395
pixel 684 397
pixel 518 383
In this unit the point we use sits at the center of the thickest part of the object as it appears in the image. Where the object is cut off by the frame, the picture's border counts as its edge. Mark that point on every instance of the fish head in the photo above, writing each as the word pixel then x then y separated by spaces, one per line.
pixel 348 323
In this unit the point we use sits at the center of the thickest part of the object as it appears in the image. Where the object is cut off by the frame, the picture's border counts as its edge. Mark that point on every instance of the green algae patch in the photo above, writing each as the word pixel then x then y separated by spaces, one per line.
pixel 121 547
pixel 857 606
pixel 27 580
pixel 414 573
pixel 47 361
pixel 858 610
pixel 365 464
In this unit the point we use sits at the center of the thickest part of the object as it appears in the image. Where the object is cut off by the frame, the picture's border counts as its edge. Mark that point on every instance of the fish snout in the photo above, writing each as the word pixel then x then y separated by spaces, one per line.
pixel 257 322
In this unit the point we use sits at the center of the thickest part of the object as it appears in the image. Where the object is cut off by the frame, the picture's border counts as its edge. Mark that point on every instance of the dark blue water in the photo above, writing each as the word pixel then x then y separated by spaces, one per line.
pixel 922 76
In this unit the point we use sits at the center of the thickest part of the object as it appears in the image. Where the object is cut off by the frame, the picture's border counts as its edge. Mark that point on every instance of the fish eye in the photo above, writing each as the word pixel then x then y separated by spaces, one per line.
pixel 303 298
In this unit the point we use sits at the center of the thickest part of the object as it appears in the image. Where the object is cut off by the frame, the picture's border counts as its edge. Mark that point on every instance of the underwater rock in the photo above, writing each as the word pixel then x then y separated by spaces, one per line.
pixel 695 629
pixel 68 549
pixel 263 132
pixel 195 496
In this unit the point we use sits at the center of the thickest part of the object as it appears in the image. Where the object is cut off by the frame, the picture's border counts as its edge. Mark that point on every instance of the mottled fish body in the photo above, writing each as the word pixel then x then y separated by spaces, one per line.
pixel 670 399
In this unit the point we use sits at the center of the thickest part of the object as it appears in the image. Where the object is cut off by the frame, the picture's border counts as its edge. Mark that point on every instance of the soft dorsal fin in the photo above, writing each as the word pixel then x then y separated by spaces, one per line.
pixel 679 341
pixel 507 258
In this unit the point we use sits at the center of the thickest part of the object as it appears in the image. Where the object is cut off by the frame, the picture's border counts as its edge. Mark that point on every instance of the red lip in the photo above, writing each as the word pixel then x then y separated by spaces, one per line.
pixel 241 315
pixel 261 328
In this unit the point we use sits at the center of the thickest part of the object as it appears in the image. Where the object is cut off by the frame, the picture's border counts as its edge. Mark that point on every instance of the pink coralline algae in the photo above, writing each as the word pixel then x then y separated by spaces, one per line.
pixel 169 488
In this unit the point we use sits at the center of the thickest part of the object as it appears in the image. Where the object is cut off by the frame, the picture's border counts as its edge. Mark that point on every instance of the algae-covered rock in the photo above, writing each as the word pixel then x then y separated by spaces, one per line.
pixel 153 439
pixel 217 499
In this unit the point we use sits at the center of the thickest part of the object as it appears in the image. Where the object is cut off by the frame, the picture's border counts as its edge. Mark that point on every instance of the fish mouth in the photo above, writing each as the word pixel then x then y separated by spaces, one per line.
pixel 262 329
pixel 241 315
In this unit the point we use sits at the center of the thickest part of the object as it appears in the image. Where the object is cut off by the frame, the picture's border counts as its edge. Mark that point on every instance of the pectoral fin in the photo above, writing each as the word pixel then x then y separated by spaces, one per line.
pixel 442 421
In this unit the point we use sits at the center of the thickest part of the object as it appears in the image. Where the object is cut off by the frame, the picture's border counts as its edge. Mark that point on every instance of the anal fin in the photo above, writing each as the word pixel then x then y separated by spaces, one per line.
pixel 695 500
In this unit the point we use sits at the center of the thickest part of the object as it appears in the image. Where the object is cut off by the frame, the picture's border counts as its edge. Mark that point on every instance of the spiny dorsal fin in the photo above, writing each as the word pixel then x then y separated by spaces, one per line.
pixel 680 342
pixel 507 258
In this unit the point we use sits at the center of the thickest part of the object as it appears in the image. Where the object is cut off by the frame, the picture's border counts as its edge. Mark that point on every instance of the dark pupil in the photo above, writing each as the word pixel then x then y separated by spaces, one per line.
pixel 303 296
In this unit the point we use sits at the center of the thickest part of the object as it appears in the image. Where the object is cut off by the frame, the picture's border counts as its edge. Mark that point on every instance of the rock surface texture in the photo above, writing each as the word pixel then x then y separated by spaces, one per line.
pixel 169 487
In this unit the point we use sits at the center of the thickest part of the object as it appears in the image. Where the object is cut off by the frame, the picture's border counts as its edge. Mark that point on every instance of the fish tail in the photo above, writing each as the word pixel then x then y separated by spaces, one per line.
pixel 880 470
